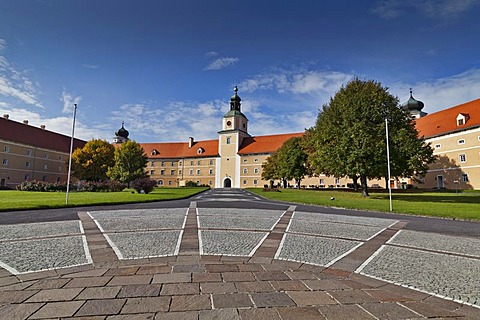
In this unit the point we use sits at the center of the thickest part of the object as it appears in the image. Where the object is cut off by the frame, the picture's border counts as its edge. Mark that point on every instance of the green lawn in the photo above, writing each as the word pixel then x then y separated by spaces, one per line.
pixel 19 200
pixel 464 205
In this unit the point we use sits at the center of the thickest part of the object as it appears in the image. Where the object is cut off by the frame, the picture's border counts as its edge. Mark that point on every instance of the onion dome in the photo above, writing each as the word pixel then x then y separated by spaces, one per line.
pixel 235 97
pixel 412 104
pixel 122 132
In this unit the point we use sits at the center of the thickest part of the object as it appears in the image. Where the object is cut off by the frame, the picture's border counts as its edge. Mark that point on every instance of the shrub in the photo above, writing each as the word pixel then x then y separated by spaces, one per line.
pixel 145 184
pixel 87 186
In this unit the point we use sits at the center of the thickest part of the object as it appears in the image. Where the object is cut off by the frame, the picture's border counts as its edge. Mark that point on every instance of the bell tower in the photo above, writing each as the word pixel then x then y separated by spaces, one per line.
pixel 234 130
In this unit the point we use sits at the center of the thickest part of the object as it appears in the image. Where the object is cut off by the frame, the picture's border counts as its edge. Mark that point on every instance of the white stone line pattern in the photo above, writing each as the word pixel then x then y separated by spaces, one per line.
pixel 136 245
pixel 314 250
pixel 44 254
pixel 37 230
pixel 231 243
pixel 332 229
pixel 231 222
pixel 159 212
pixel 140 223
pixel 456 278
pixel 316 217
pixel 241 212
pixel 437 242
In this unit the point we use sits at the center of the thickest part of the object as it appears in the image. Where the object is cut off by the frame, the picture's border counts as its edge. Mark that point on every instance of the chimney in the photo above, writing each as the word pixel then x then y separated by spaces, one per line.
pixel 42 127
pixel 190 142
pixel 25 121
pixel 6 116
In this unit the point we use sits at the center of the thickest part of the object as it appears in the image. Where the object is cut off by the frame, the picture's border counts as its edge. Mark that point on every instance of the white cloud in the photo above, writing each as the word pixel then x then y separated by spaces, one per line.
pixel 3 44
pixel 436 9
pixel 68 101
pixel 211 54
pixel 221 63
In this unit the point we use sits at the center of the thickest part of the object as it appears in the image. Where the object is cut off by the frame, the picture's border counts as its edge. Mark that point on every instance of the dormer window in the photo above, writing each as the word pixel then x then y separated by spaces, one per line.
pixel 200 151
pixel 462 119
pixel 155 152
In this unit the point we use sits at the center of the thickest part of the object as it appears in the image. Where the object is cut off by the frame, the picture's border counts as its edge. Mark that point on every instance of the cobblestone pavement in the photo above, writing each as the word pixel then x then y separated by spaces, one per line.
pixel 207 262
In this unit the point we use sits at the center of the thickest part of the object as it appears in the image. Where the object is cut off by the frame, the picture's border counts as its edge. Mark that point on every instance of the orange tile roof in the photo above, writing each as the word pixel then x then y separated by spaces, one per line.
pixel 25 134
pixel 265 144
pixel 175 150
pixel 445 121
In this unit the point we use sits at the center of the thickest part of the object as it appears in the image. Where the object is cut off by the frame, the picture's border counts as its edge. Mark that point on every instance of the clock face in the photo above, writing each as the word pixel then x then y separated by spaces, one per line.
pixel 229 123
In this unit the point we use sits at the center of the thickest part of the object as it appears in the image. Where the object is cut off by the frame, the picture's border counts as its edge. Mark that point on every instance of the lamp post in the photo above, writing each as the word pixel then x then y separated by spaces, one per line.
pixel 71 150
pixel 388 161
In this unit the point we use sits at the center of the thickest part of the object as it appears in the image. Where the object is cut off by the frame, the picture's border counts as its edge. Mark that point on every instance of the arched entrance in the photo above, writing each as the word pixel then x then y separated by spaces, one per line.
pixel 227 183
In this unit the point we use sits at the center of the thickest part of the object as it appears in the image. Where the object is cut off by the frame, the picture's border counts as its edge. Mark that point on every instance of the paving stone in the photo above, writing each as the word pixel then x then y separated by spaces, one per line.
pixel 124 271
pixel 172 278
pixel 238 276
pixel 272 299
pixel 259 314
pixel 138 316
pixel 352 296
pixel 222 314
pixel 231 300
pixel 171 289
pixel 146 304
pixel 387 296
pixel 344 312
pixel 325 285
pixel 273 275
pixel 101 307
pixel 218 287
pixel 311 298
pixel 55 295
pixel 140 290
pixel 88 273
pixel 18 311
pixel 49 284
pixel 189 268
pixel 389 311
pixel 222 268
pixel 185 315
pixel 292 285
pixel 98 293
pixel 18 286
pixel 127 280
pixel 256 286
pixel 154 269
pixel 206 277
pixel 429 310
pixel 88 282
pixel 57 309
pixel 36 275
pixel 191 302
pixel 300 275
pixel 304 313
pixel 16 296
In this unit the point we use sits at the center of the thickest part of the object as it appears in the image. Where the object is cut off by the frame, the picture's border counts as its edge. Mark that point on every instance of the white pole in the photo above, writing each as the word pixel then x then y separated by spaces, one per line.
pixel 71 150
pixel 388 164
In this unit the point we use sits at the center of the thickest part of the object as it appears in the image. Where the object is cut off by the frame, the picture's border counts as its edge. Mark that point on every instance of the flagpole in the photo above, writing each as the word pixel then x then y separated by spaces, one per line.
pixel 71 150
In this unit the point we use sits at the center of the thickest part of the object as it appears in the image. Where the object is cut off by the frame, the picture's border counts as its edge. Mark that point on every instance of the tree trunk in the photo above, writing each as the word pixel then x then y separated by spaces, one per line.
pixel 355 183
pixel 387 183
pixel 298 183
pixel 284 183
pixel 363 181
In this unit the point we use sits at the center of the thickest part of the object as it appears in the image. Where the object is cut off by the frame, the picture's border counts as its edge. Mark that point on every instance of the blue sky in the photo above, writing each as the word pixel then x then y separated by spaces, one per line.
pixel 168 68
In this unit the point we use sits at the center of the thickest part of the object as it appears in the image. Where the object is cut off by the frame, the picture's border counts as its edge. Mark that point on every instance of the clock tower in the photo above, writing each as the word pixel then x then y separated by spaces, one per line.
pixel 234 130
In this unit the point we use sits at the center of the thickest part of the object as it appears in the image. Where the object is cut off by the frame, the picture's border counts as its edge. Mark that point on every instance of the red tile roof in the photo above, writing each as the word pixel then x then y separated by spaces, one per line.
pixel 265 144
pixel 175 150
pixel 445 121
pixel 25 134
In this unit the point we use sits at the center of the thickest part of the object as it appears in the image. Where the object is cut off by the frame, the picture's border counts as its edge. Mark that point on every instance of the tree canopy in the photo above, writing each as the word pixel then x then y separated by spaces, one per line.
pixel 130 163
pixel 348 138
pixel 91 162
pixel 287 163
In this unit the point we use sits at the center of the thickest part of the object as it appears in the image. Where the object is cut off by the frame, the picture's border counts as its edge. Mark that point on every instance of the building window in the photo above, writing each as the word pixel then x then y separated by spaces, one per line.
pixel 337 181
pixel 179 171
pixel 29 153
pixel 162 172
pixel 160 182
pixel 199 162
pixel 245 160
pixel 244 182
pixel 463 157
pixel 169 182
pixel 210 182
pixel 152 164
pixel 45 167
pixel 191 172
pixel 44 178
pixel 163 163
pixel 173 163
pixel 245 170
pixel 59 168
pixel 58 179
pixel 179 163
pixel 210 171
pixel 198 171
pixel 322 182
pixel 27 177
pixel 152 172
pixel 27 164
pixel 200 151
pixel 461 141
pixel 228 140
pixel 6 149
pixel 191 163
pixel 255 170
pixel 210 162
pixel 45 155
pixel 464 177
pixel 256 160
pixel 172 172
pixel 438 146
pixel 460 122
pixel 255 182
pixel 61 158
pixel 5 162
pixel 198 182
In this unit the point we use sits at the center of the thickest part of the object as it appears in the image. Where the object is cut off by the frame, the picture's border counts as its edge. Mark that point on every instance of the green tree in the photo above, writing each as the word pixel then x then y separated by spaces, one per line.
pixel 130 163
pixel 348 138
pixel 91 162
pixel 287 163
